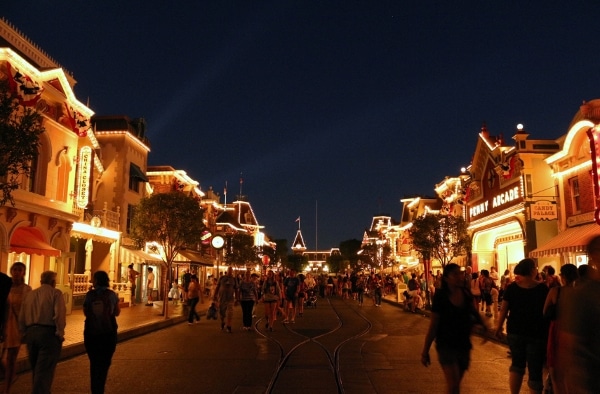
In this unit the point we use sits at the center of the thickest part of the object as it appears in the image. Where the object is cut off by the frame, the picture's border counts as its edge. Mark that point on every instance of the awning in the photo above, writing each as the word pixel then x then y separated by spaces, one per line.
pixel 136 172
pixel 571 240
pixel 136 256
pixel 195 257
pixel 29 240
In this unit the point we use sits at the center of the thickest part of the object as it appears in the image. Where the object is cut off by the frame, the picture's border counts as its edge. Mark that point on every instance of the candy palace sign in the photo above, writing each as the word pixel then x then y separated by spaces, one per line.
pixel 498 200
pixel 543 210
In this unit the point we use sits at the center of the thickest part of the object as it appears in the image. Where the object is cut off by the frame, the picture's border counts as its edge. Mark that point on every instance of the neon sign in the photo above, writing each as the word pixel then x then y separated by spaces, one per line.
pixel 498 200
pixel 592 134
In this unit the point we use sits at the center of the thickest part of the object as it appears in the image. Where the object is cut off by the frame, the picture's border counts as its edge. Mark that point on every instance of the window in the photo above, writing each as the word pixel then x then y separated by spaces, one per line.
pixel 575 198
pixel 130 213
pixel 135 177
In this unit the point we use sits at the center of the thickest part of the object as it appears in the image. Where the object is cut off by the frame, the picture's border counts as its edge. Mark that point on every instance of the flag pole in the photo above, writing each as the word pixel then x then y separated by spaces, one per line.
pixel 316 226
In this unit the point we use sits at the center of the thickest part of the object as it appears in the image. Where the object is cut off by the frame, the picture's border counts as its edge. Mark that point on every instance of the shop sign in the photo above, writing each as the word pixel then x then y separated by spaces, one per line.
pixel 499 200
pixel 543 210
pixel 83 177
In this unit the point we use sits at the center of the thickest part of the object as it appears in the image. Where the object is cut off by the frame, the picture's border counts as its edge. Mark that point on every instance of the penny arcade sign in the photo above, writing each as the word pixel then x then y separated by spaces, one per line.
pixel 496 202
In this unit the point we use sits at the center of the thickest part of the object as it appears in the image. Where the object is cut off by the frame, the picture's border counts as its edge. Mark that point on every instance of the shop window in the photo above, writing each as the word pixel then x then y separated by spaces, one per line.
pixel 575 197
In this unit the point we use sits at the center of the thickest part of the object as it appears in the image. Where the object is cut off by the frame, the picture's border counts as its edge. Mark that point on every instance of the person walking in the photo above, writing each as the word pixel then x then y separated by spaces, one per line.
pixel 578 360
pixel 248 296
pixel 291 286
pixel 42 321
pixel 101 308
pixel 568 275
pixel 453 316
pixel 132 276
pixel 527 330
pixel 271 294
pixel 226 297
pixel 193 297
pixel 12 336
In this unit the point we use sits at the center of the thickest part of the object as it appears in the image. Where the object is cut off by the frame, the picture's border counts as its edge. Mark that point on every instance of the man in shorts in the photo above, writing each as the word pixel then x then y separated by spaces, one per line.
pixel 291 284
pixel 226 296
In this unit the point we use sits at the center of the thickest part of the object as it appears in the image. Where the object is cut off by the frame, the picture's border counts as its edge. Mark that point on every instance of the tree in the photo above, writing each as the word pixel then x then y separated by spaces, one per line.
pixel 335 263
pixel 20 128
pixel 349 250
pixel 242 251
pixel 296 262
pixel 442 237
pixel 174 221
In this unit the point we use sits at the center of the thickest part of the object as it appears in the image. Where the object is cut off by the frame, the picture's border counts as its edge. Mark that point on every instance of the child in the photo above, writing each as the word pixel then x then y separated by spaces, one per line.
pixel 212 312
pixel 174 293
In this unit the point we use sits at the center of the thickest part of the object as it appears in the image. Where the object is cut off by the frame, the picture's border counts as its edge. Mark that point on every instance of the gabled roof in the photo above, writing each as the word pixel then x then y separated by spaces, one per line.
pixel 298 243
pixel 228 218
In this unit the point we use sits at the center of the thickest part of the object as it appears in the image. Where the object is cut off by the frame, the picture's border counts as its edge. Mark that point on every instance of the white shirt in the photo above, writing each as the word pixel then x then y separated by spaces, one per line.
pixel 44 306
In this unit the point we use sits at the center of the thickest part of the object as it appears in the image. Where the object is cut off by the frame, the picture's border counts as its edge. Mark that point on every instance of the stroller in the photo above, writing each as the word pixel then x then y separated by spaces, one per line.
pixel 311 298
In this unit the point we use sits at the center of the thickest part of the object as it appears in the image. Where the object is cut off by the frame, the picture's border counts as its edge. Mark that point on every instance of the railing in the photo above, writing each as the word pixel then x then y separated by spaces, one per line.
pixel 80 283
pixel 109 219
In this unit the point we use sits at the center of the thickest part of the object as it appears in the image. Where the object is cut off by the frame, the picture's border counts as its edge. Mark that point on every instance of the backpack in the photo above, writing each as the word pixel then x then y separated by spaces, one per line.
pixel 99 317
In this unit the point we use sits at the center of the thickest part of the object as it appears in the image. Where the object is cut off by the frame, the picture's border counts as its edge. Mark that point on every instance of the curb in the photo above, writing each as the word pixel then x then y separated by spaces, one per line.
pixel 77 349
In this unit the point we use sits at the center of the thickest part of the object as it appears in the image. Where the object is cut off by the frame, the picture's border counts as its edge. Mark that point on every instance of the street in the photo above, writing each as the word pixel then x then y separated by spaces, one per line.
pixel 336 347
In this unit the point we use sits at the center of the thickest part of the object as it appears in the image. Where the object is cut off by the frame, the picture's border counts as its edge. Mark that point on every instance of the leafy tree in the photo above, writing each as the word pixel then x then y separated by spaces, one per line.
pixel 296 261
pixel 335 263
pixel 442 237
pixel 349 250
pixel 174 221
pixel 20 128
pixel 242 251
pixel 281 251
pixel 375 256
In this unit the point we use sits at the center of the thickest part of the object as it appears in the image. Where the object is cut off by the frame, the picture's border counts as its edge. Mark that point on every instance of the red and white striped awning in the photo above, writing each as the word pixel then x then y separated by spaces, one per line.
pixel 574 239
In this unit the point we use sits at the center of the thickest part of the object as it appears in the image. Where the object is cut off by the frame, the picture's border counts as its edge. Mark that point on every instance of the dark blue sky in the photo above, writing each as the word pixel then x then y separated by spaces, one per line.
pixel 329 109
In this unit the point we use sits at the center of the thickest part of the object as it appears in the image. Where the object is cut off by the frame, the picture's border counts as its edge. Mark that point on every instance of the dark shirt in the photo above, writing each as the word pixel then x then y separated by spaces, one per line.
pixel 5 285
pixel 291 286
pixel 526 310
pixel 454 329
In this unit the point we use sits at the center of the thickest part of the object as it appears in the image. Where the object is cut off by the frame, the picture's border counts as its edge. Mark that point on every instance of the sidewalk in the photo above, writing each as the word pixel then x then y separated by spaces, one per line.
pixel 133 321
pixel 391 298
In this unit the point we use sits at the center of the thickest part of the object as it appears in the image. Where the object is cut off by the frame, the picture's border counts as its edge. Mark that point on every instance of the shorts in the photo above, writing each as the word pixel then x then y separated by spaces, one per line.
pixel 226 309
pixel 528 352
pixel 487 298
pixel 291 299
pixel 450 356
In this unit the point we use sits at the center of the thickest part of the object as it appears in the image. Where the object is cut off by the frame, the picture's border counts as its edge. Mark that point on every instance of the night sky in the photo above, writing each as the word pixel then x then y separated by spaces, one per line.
pixel 329 110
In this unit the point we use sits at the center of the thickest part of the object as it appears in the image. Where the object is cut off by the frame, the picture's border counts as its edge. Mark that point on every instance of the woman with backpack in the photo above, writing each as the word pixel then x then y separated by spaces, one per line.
pixel 101 307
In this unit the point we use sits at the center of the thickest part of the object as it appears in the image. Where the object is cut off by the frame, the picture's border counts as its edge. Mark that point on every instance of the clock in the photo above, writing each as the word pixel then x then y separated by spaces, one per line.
pixel 217 242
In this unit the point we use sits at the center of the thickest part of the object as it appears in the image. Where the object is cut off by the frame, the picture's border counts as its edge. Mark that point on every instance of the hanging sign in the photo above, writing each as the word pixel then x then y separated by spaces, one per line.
pixel 543 210
pixel 83 177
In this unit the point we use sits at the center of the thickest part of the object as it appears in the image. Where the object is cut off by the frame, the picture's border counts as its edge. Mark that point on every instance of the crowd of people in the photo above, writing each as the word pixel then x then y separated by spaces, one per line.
pixel 551 320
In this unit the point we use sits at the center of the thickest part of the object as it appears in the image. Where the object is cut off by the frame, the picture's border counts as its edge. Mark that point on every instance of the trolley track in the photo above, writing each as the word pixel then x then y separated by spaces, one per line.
pixel 314 346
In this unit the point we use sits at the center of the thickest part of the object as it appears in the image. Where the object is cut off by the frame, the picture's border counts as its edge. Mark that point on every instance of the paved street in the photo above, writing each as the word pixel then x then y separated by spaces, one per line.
pixel 337 347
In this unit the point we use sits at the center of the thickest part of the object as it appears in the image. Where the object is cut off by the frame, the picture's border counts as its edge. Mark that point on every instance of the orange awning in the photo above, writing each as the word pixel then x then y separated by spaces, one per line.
pixel 29 240
pixel 574 239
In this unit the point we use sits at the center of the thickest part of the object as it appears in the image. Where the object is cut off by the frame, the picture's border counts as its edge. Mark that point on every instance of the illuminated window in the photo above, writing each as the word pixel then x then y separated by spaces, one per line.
pixel 575 198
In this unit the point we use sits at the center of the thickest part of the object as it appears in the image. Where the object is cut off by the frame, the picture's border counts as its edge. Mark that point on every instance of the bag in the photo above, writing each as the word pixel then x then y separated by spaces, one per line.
pixel 271 292
pixel 99 317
